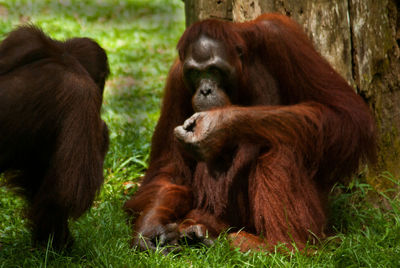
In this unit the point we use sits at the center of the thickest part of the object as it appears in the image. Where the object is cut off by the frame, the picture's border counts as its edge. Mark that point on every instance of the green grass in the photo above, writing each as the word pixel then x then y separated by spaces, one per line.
pixel 140 38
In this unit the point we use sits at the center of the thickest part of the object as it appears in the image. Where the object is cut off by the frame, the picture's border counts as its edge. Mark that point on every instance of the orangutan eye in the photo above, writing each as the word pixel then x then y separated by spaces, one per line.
pixel 193 74
pixel 213 72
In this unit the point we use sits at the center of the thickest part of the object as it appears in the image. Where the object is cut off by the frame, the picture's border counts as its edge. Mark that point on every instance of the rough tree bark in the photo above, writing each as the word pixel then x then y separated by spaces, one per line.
pixel 360 38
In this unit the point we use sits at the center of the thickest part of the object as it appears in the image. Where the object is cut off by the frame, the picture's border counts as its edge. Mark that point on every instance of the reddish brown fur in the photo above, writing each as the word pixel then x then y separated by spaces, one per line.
pixel 52 139
pixel 287 157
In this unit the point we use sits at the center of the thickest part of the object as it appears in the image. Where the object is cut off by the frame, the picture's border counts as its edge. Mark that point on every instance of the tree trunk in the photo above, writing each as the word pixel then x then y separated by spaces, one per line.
pixel 360 38
pixel 203 9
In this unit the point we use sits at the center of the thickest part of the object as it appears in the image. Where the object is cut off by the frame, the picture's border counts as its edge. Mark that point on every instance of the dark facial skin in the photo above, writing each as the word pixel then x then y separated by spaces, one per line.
pixel 208 74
